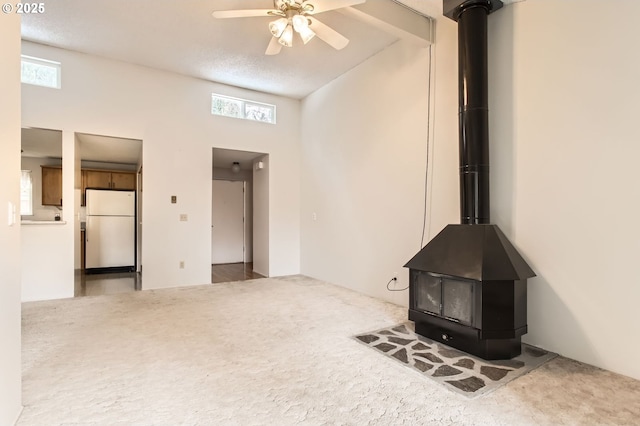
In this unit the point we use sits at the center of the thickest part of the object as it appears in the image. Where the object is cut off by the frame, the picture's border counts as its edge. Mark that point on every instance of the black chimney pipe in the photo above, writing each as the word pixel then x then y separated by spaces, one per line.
pixel 471 16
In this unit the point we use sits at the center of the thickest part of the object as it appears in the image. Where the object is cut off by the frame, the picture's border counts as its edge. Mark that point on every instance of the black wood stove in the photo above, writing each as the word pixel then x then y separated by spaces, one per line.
pixel 468 285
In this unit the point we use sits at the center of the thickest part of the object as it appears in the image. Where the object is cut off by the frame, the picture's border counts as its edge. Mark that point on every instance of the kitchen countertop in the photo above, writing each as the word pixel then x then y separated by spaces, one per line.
pixel 43 222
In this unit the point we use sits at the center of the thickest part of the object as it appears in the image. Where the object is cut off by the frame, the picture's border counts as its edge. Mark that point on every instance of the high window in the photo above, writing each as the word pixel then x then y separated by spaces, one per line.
pixel 40 72
pixel 242 108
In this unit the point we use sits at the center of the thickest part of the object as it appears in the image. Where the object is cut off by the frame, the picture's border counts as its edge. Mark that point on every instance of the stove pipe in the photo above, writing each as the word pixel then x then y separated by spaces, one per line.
pixel 468 285
pixel 473 102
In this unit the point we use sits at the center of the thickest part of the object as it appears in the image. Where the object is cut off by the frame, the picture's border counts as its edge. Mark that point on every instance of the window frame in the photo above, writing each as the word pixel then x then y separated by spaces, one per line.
pixel 244 103
pixel 57 66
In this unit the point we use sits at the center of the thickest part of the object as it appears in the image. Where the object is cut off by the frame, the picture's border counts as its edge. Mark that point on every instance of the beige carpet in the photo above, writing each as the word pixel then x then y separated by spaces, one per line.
pixel 276 351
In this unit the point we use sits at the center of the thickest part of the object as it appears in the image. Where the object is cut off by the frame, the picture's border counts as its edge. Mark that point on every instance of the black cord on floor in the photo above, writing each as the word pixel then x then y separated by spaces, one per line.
pixel 395 289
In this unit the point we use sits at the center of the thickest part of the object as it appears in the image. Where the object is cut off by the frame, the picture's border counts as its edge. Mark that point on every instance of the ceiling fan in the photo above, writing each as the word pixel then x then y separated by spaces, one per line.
pixel 296 16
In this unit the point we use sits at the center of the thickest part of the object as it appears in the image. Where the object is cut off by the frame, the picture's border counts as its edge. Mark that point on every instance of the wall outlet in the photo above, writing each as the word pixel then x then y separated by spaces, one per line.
pixel 182 264
pixel 183 217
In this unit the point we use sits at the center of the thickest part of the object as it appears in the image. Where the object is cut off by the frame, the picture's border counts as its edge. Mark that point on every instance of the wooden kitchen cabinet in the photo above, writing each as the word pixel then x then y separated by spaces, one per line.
pixel 107 179
pixel 96 179
pixel 101 179
pixel 51 186
pixel 123 180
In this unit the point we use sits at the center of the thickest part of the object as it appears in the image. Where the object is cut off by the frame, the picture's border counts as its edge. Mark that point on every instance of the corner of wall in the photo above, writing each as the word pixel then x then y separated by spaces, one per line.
pixel 10 308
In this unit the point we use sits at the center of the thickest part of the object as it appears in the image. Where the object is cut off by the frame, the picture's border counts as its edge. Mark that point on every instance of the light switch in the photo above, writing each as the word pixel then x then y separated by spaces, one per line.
pixel 174 199
pixel 183 217
pixel 11 214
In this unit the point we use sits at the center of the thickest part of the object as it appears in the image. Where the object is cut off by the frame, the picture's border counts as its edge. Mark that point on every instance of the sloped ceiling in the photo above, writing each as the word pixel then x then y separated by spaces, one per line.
pixel 182 37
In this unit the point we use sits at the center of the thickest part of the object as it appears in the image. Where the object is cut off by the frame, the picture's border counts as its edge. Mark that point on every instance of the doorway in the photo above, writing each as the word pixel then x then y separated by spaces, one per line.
pixel 234 213
pixel 108 258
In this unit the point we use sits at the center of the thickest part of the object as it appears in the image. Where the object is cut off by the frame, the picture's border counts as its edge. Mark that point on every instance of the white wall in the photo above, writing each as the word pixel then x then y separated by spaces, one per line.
pixel 563 87
pixel 567 86
pixel 262 220
pixel 10 368
pixel 363 169
pixel 42 254
pixel 171 114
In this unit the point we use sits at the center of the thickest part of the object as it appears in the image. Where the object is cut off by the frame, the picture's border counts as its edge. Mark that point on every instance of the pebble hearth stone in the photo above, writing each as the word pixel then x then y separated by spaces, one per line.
pixel 466 363
pixel 420 347
pixel 451 367
pixel 422 366
pixel 368 338
pixel 401 355
pixel 430 357
pixel 451 353
pixel 470 384
pixel 385 347
pixel 445 370
pixel 401 329
pixel 494 373
pixel 400 341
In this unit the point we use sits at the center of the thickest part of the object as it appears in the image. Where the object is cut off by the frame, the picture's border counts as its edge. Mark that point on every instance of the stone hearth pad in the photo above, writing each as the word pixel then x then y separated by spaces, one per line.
pixel 457 371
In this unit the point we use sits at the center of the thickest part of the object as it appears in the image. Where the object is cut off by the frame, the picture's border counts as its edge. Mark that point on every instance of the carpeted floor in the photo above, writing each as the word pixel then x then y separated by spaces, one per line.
pixel 277 351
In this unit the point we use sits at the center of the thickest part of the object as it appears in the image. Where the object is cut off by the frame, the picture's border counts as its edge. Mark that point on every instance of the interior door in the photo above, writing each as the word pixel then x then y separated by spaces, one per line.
pixel 227 222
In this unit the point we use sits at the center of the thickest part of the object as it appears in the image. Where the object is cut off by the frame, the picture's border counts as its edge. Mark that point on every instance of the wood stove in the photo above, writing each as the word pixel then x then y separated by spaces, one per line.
pixel 468 285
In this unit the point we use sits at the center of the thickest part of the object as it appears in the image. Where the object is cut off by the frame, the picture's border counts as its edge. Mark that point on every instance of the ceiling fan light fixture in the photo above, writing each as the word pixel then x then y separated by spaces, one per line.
pixel 235 167
pixel 286 39
pixel 299 22
pixel 306 34
pixel 278 26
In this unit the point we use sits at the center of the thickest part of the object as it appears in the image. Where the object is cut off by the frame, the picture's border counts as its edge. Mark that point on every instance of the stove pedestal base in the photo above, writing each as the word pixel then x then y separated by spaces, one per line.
pixel 468 339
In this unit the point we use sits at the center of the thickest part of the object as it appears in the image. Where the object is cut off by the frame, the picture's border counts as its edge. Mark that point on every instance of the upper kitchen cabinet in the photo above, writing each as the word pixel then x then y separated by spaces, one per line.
pixel 51 186
pixel 96 179
pixel 121 180
pixel 107 179
pixel 102 179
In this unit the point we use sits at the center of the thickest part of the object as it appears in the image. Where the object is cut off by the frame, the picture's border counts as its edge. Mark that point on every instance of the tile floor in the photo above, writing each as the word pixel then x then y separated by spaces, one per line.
pixel 109 283
pixel 124 282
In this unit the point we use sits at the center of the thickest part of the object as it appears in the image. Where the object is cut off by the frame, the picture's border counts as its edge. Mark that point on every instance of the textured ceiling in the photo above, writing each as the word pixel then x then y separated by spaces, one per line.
pixel 181 36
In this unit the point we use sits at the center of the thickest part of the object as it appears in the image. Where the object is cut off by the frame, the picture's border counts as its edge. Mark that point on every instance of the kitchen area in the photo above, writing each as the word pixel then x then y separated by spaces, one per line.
pixel 91 246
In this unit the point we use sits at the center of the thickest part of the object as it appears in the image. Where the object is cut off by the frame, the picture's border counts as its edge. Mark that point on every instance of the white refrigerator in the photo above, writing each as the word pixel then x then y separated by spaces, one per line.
pixel 110 229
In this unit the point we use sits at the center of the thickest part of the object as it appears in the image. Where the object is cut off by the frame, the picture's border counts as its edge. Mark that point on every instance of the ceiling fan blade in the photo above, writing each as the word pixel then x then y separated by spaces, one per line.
pixel 246 13
pixel 328 34
pixel 274 47
pixel 320 6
